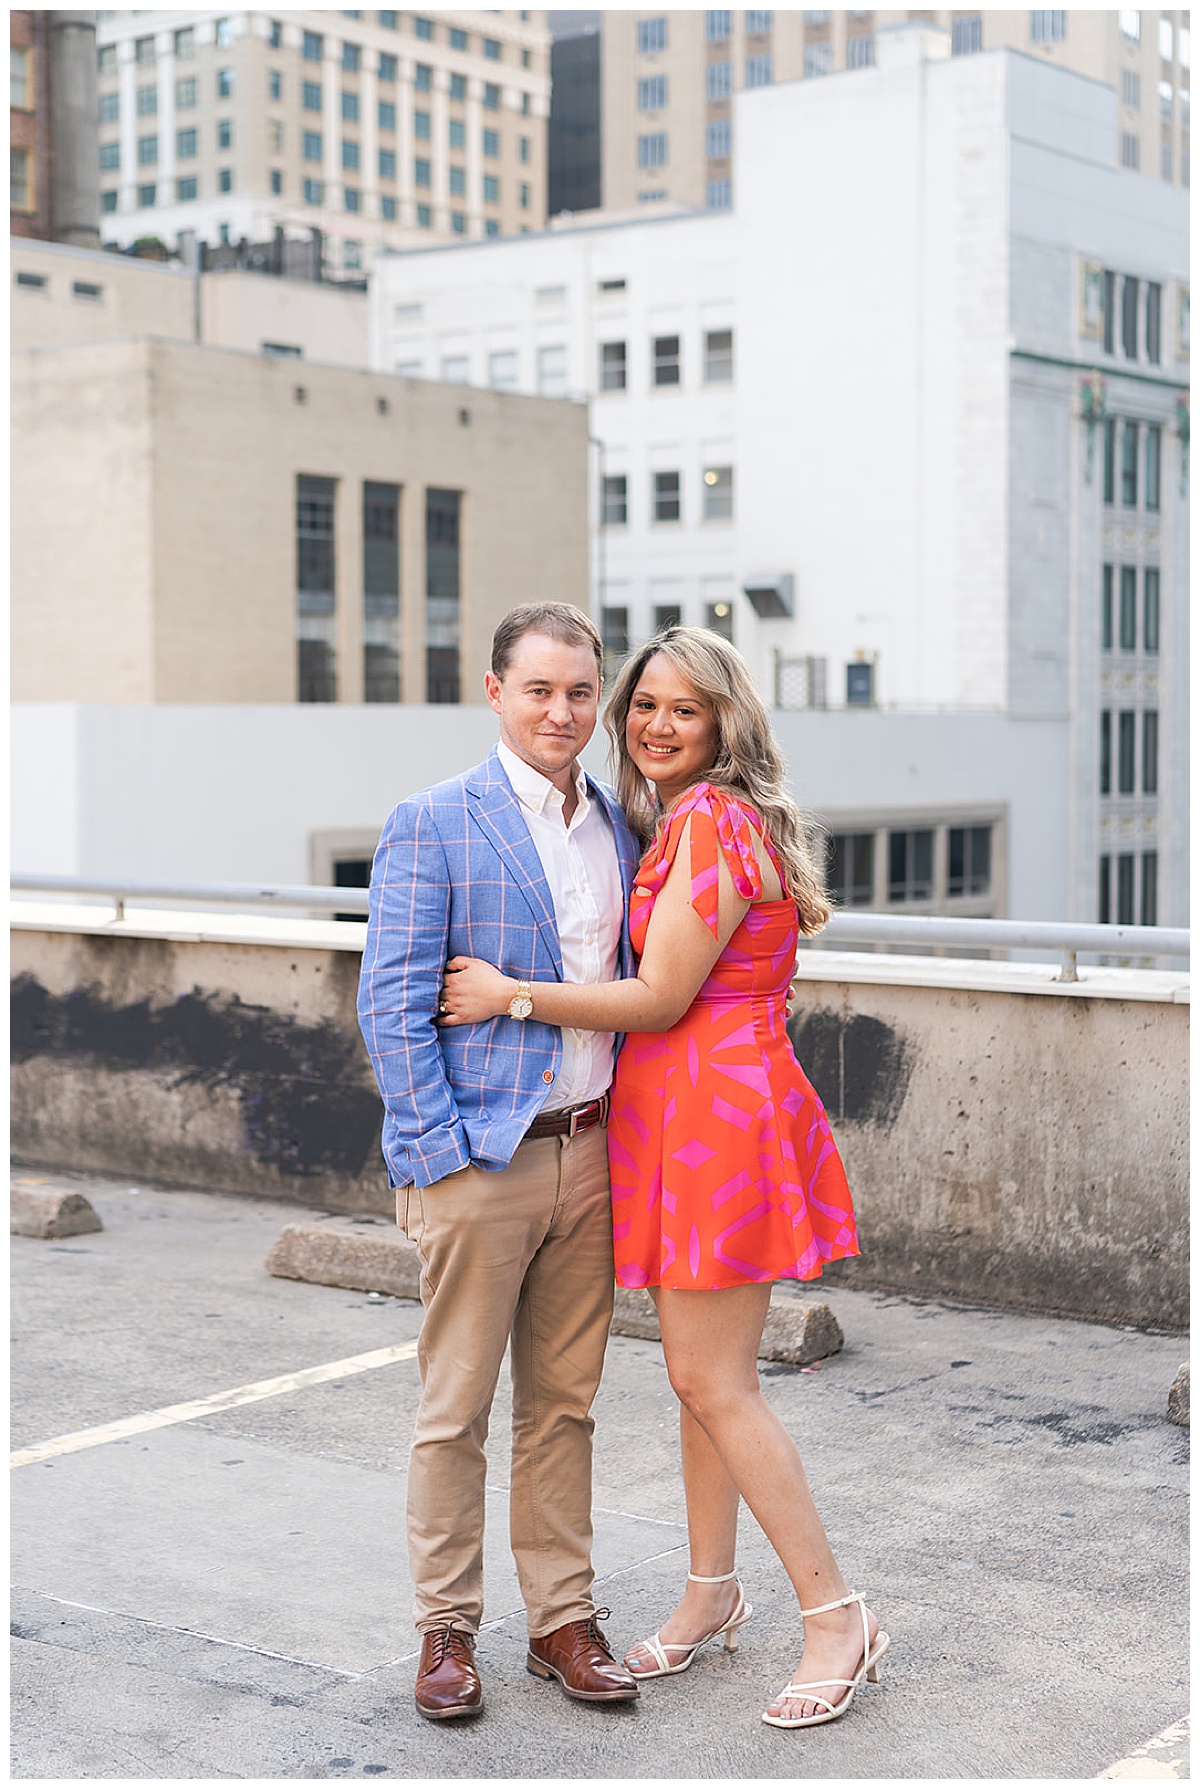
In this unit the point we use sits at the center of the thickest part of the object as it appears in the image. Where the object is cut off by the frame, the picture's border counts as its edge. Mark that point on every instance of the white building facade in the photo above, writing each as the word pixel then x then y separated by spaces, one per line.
pixel 925 418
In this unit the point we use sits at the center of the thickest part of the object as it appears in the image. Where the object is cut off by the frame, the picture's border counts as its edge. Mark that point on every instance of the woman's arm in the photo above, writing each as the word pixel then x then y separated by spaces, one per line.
pixel 678 959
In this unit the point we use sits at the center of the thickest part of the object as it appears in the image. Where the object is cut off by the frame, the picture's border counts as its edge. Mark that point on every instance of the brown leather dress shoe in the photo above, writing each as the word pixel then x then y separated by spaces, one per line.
pixel 447 1681
pixel 578 1655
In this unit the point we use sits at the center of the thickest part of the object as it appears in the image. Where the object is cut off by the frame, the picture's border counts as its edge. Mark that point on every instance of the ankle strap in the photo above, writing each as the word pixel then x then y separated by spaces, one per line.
pixel 840 1604
pixel 723 1579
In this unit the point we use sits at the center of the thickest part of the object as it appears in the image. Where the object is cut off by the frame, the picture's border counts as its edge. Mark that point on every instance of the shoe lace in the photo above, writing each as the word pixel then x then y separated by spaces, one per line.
pixel 449 1642
pixel 591 1630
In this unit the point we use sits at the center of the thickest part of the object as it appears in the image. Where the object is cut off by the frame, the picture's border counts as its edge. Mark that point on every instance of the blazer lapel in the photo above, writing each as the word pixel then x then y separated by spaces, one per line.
pixel 497 813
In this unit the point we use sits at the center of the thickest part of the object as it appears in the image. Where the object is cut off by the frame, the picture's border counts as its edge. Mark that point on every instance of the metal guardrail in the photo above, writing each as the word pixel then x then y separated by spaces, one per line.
pixel 929 931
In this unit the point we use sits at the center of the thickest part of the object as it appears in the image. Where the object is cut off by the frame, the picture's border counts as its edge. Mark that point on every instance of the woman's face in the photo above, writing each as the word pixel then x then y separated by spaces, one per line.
pixel 670 730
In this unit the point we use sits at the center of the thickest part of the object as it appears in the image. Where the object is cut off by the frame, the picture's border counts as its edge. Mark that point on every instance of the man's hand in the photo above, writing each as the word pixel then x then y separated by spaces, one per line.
pixel 472 991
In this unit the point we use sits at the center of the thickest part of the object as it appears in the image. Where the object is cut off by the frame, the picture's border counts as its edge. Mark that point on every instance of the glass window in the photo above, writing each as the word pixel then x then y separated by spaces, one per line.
pixel 147 102
pixel 316 589
pixel 1129 318
pixel 381 592
pixel 350 107
pixel 612 366
pixel 524 193
pixel 614 500
pixel 224 34
pixel 458 87
pixel 1104 904
pixel 1106 751
pixel 1153 468
pixel 442 593
pixel 718 195
pixel 458 38
pixel 651 35
pixel 491 190
pixel 1131 89
pixel 851 873
pixel 1047 27
pixel 969 860
pixel 759 69
pixel 552 370
pixel 491 226
pixel 523 146
pixel 423 78
pixel 1127 630
pixel 188 188
pixel 423 28
pixel 311 96
pixel 225 180
pixel 666 361
pixel 313 46
pixel 352 200
pixel 351 58
pixel 718 80
pixel 667 615
pixel 1129 465
pixel 110 157
pixel 108 201
pixel 458 134
pixel 387 207
pixel 274 85
pixel 717 142
pixel 350 157
pixel 275 35
pixel 1150 609
pixel 1149 888
pixel 818 59
pixel 491 48
pixel 1153 323
pixel 388 67
pixel 422 125
pixel 718 26
pixel 718 356
pixel 147 196
pixel 224 83
pixel 147 151
pixel 277 182
pixel 106 60
pixel 1126 745
pixel 666 496
pixel 185 143
pixel 1125 863
pixel 314 192
pixel 718 617
pixel 1131 151
pixel 1110 312
pixel 966 35
pixel 110 104
pixel 1150 751
pixel 424 217
pixel 143 49
pixel 491 142
pixel 860 52
pixel 1166 39
pixel 491 96
pixel 652 150
pixel 387 164
pixel 1110 460
pixel 312 146
pixel 718 493
pixel 910 865
pixel 224 134
pixel 652 94
pixel 1130 24
pixel 421 172
pixel 458 182
pixel 387 115
pixel 1106 609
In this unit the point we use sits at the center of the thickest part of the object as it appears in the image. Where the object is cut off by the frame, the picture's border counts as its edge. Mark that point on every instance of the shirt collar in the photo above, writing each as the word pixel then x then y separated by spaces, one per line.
pixel 533 789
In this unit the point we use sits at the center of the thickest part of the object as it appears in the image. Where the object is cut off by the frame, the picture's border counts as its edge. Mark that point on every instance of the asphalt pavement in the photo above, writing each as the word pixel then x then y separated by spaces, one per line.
pixel 216 1586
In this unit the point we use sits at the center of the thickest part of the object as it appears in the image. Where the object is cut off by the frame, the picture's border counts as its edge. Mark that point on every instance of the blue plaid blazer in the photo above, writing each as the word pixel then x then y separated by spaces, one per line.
pixel 456 873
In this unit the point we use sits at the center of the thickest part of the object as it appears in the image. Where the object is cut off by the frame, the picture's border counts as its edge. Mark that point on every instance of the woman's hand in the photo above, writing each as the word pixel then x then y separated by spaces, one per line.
pixel 472 991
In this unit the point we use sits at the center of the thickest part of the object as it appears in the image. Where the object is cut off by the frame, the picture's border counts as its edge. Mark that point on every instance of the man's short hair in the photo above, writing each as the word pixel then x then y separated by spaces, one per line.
pixel 560 621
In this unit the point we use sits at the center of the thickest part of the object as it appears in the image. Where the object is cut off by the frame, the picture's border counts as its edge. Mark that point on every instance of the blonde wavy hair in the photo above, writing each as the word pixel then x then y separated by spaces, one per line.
pixel 748 761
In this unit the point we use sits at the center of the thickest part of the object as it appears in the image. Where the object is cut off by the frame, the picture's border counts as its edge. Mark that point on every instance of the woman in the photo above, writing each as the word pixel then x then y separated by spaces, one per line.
pixel 724 1173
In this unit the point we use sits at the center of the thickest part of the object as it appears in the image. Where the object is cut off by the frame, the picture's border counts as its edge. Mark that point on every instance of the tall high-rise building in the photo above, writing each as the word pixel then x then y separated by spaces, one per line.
pixel 375 128
pixel 667 81
pixel 53 192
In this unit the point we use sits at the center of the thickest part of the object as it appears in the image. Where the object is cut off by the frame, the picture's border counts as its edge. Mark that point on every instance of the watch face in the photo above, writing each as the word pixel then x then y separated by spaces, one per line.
pixel 520 1006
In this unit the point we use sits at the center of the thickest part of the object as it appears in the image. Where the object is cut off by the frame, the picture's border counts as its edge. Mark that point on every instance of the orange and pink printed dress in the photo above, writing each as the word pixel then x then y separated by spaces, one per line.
pixel 724 1171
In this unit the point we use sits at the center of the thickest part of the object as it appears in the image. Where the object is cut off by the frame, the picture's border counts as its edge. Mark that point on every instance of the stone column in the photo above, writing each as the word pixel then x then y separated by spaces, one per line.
pixel 75 190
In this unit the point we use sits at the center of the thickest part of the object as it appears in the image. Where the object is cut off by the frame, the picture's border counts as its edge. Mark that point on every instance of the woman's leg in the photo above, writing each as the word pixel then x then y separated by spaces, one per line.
pixel 710 1342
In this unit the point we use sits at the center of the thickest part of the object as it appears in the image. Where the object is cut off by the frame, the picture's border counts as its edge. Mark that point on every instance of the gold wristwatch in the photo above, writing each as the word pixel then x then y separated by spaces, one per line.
pixel 521 1004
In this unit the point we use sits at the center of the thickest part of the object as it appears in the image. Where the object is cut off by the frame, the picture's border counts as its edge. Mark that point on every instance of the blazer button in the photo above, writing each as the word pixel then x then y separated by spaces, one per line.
pixel 547 1075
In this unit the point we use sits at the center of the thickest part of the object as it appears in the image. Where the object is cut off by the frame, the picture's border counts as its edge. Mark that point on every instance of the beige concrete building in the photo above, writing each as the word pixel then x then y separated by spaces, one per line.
pixel 668 78
pixel 191 524
pixel 372 127
pixel 62 295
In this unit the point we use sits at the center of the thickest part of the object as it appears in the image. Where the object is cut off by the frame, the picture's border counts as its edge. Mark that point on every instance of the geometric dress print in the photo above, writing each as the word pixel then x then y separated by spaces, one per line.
pixel 724 1171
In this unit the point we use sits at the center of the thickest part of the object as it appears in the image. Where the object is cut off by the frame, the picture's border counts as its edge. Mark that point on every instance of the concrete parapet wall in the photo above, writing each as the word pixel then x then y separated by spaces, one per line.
pixel 1008 1139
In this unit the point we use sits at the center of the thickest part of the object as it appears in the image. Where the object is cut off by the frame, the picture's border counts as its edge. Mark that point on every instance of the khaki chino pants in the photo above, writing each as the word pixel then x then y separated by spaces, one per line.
pixel 527 1255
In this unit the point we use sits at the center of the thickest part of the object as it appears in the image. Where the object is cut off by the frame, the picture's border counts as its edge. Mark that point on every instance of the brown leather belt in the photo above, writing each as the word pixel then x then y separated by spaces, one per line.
pixel 571 1120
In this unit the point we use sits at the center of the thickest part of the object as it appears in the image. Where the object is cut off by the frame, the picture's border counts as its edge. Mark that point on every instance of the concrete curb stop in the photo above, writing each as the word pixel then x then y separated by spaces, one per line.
pixel 1179 1398
pixel 50 1212
pixel 369 1254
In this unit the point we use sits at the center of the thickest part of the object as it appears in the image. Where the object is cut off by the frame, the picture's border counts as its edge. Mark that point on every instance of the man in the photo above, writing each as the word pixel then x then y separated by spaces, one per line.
pixel 494 1137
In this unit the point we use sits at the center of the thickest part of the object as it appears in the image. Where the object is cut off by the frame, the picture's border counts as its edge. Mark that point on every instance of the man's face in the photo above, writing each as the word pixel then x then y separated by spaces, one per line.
pixel 547 702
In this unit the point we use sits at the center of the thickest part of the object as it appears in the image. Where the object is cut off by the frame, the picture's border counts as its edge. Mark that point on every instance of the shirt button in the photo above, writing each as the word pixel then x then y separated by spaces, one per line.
pixel 547 1074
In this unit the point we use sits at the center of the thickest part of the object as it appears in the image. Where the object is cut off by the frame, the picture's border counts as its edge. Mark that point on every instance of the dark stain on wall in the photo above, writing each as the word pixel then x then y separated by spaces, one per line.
pixel 306 1103
pixel 858 1065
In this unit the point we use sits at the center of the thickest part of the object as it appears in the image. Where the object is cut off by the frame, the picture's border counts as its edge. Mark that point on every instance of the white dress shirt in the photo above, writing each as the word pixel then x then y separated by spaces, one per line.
pixel 580 861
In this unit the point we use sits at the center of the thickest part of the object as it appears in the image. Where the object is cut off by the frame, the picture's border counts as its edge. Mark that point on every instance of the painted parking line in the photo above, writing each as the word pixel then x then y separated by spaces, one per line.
pixel 1166 1755
pixel 221 1400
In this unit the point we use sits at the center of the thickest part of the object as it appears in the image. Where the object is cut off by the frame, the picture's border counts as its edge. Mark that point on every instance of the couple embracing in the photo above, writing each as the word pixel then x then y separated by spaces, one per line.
pixel 575 1006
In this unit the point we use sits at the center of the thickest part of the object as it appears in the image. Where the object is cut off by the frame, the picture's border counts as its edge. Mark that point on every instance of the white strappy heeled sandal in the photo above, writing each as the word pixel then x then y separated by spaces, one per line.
pixel 810 1692
pixel 658 1648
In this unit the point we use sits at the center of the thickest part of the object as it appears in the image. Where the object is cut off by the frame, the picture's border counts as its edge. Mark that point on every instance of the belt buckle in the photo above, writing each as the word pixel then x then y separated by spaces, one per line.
pixel 573 1120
